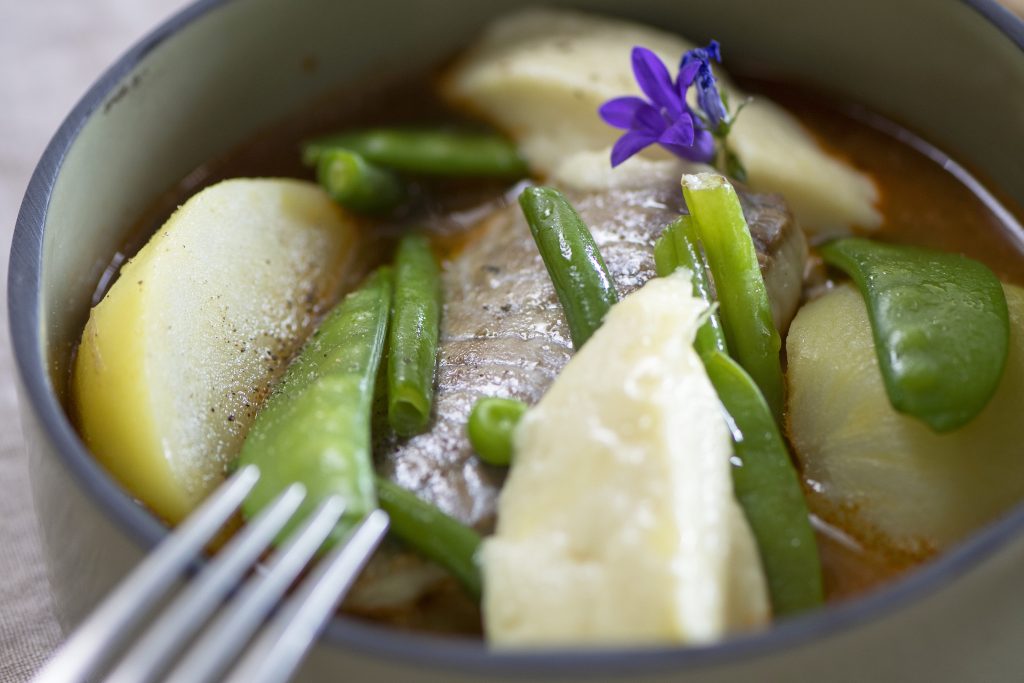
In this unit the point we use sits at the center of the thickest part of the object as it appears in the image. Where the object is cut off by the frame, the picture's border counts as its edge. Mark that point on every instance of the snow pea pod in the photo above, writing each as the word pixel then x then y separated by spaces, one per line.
pixel 432 533
pixel 768 489
pixel 315 428
pixel 428 152
pixel 584 286
pixel 940 325
pixel 678 248
pixel 742 298
pixel 412 339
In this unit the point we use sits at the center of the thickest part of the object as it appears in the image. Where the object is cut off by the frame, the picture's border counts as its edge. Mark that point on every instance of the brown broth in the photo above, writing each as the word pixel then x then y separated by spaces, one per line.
pixel 927 200
pixel 922 201
pixel 923 197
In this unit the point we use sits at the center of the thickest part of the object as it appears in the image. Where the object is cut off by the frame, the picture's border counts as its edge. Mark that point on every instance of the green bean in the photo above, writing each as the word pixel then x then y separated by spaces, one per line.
pixel 768 489
pixel 357 184
pixel 491 425
pixel 679 248
pixel 666 258
pixel 432 533
pixel 940 325
pixel 315 428
pixel 428 152
pixel 412 340
pixel 581 279
pixel 742 298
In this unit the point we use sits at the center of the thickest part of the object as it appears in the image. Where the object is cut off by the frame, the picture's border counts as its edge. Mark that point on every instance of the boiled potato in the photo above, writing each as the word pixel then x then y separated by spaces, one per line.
pixel 618 523
pixel 541 75
pixel 889 474
pixel 180 352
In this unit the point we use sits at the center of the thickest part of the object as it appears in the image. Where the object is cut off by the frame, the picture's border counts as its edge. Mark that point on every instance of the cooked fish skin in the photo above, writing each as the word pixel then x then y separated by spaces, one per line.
pixel 503 332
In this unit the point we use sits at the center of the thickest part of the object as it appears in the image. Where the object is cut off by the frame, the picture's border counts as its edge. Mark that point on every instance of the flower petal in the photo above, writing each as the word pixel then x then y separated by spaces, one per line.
pixel 687 72
pixel 703 55
pixel 714 51
pixel 679 134
pixel 629 144
pixel 654 80
pixel 649 120
pixel 621 111
pixel 702 149
pixel 709 99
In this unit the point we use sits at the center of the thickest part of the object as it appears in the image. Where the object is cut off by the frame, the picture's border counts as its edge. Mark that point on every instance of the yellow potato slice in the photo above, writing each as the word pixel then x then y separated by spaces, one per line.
pixel 888 476
pixel 618 523
pixel 180 352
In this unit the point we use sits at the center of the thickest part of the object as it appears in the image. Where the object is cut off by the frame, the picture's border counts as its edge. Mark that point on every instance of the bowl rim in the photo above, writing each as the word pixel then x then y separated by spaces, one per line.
pixel 24 317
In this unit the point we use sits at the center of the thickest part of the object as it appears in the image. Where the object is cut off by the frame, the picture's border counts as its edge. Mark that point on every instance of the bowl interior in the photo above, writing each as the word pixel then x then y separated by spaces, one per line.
pixel 214 76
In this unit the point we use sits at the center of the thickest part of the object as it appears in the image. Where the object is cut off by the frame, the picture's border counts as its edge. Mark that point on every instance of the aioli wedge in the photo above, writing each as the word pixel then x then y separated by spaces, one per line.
pixel 618 523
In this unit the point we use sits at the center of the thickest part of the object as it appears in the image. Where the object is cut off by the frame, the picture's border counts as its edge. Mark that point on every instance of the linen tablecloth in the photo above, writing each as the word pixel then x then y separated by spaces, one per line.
pixel 50 52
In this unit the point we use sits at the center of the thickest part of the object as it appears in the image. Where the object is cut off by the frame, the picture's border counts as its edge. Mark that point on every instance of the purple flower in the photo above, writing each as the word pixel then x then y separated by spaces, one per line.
pixel 696 64
pixel 664 117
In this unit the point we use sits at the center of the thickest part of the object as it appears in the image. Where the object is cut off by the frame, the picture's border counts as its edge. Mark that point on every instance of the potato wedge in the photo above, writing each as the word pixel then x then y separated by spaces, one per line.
pixel 888 476
pixel 177 356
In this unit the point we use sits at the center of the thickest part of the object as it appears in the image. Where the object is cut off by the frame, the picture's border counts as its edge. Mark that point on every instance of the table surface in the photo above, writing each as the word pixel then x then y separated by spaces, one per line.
pixel 50 52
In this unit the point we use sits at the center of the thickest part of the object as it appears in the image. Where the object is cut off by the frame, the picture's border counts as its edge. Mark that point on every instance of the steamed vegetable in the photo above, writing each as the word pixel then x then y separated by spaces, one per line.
pixel 678 247
pixel 940 327
pixel 491 425
pixel 618 522
pixel 412 340
pixel 428 152
pixel 582 282
pixel 432 533
pixel 315 427
pixel 540 74
pixel 358 185
pixel 743 301
pixel 765 480
pixel 179 353
pixel 769 490
pixel 885 476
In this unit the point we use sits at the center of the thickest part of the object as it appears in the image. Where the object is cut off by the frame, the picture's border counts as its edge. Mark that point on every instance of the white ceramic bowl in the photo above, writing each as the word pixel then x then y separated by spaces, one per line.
pixel 207 79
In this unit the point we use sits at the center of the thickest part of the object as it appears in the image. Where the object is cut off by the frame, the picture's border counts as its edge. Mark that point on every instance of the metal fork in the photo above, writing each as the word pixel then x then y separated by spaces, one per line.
pixel 276 651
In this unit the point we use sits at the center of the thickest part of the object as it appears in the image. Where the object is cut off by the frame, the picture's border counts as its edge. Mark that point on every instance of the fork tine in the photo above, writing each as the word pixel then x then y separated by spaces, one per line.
pixel 195 604
pixel 277 652
pixel 95 640
pixel 228 634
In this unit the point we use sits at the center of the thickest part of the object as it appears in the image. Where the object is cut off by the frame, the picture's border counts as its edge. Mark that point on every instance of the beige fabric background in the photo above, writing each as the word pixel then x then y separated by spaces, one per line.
pixel 50 52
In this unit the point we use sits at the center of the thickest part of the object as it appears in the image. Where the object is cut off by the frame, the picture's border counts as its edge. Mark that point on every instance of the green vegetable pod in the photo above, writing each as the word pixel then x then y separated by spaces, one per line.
pixel 357 184
pixel 437 152
pixel 742 297
pixel 492 423
pixel 433 534
pixel 940 325
pixel 768 489
pixel 678 247
pixel 581 279
pixel 412 340
pixel 315 428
